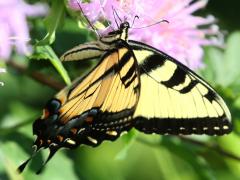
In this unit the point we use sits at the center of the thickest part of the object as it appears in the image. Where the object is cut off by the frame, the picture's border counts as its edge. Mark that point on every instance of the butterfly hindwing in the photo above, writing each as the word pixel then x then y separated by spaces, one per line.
pixel 174 100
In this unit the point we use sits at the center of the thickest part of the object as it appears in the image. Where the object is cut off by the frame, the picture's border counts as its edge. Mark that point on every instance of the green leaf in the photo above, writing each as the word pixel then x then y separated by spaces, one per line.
pixel 231 144
pixel 60 168
pixel 47 53
pixel 128 139
pixel 213 60
pixel 185 157
pixel 221 67
pixel 53 21
pixel 8 164
pixel 231 59
pixel 11 156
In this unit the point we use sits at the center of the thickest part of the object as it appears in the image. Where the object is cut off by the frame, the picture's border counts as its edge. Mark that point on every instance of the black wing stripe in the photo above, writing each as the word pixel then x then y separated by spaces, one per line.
pixel 129 74
pixel 150 63
pixel 210 96
pixel 125 58
pixel 131 80
pixel 177 78
pixel 189 87
pixel 129 77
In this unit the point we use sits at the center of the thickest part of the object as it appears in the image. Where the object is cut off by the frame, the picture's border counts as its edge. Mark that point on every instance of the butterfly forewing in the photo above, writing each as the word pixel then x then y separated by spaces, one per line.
pixel 110 89
pixel 174 100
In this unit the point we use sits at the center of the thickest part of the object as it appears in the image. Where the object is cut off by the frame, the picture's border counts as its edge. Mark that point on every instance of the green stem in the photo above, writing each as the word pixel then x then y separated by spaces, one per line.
pixel 40 77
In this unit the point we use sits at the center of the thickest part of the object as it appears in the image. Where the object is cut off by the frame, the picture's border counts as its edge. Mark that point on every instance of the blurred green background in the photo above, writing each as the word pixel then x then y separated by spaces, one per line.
pixel 133 156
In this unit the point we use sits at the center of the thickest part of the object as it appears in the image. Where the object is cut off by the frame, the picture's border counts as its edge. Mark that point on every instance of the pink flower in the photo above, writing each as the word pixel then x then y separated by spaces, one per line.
pixel 13 25
pixel 183 37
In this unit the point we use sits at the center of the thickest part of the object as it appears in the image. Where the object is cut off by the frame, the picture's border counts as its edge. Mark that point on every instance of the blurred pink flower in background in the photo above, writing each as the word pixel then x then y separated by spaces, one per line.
pixel 14 31
pixel 183 37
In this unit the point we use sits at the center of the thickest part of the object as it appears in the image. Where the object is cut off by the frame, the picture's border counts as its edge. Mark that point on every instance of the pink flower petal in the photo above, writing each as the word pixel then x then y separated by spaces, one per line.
pixel 13 23
pixel 183 37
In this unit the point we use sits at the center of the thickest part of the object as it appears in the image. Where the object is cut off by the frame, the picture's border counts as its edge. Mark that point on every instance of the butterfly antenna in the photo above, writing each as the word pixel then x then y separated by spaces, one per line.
pixel 135 17
pixel 90 24
pixel 23 165
pixel 162 21
pixel 115 14
pixel 53 150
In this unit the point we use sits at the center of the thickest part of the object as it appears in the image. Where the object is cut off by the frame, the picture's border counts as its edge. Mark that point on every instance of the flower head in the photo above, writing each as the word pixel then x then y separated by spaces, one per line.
pixel 183 37
pixel 13 25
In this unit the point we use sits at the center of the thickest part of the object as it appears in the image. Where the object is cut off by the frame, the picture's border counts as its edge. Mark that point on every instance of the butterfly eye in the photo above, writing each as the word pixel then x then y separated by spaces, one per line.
pixel 126 24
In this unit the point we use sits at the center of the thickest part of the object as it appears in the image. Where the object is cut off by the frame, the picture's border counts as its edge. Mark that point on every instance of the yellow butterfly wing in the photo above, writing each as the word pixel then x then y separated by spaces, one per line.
pixel 107 96
pixel 174 100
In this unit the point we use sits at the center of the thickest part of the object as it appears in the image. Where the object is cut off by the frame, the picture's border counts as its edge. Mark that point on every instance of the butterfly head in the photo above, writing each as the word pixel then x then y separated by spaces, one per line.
pixel 124 26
